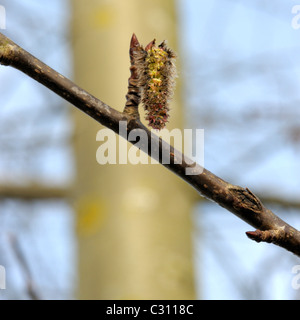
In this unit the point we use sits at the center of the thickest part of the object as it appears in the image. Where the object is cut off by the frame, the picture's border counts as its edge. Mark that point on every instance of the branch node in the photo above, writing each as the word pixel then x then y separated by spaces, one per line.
pixel 247 199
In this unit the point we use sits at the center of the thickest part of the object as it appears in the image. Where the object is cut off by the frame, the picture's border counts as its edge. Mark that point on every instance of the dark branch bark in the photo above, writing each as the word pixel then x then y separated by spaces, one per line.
pixel 240 201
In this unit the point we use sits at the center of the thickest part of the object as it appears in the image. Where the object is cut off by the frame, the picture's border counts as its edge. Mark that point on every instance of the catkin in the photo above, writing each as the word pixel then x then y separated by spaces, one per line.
pixel 157 71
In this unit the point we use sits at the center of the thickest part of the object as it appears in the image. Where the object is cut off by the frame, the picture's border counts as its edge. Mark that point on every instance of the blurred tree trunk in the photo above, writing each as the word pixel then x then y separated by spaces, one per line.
pixel 133 221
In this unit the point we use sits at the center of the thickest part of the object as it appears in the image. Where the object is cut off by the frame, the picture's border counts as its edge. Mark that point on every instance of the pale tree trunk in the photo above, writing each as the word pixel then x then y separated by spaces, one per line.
pixel 133 221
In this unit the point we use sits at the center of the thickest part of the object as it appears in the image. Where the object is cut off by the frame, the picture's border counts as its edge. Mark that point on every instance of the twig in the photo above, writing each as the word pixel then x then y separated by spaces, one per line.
pixel 24 265
pixel 240 201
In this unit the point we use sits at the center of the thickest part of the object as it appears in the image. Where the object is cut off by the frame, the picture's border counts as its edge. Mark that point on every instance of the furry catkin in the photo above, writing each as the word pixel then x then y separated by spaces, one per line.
pixel 156 71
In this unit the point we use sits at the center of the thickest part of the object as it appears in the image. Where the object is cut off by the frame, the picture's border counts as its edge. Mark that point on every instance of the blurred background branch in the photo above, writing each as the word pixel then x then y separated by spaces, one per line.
pixel 33 192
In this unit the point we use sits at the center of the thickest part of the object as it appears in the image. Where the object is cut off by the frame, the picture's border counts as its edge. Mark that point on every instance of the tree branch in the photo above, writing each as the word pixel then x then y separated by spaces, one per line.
pixel 240 201
pixel 33 192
